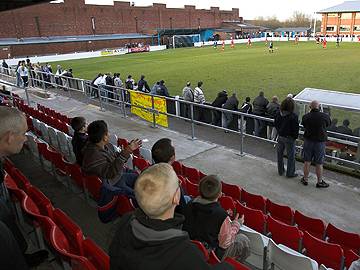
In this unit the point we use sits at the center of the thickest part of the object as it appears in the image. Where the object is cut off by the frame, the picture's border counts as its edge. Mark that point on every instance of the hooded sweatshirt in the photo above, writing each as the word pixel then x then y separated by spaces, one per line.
pixel 142 243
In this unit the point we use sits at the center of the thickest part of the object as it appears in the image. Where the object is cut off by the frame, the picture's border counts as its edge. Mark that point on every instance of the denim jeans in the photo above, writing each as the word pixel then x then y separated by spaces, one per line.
pixel 288 144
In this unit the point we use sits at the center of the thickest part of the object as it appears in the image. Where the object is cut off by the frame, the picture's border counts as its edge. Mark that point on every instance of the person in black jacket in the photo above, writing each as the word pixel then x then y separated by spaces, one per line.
pixel 143 85
pixel 287 126
pixel 260 103
pixel 231 120
pixel 80 137
pixel 151 236
pixel 315 124
pixel 218 103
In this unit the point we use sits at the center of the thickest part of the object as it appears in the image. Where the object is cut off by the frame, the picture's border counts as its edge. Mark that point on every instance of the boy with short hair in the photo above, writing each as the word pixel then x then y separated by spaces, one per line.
pixel 207 222
pixel 80 137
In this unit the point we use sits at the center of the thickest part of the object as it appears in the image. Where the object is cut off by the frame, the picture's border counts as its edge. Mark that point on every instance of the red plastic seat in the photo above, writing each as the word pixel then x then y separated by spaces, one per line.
pixel 254 219
pixel 182 181
pixel 8 165
pixel 282 233
pixel 280 212
pixel 254 201
pixel 76 174
pixel 233 191
pixel 192 174
pixel 228 204
pixel 202 175
pixel 330 255
pixel 177 166
pixel 93 186
pixel 314 226
pixel 71 231
pixel 96 255
pixel 20 179
pixel 140 163
pixel 213 259
pixel 236 265
pixel 191 188
pixel 346 239
pixel 122 143
pixel 202 249
pixel 350 256
pixel 42 202
pixel 124 205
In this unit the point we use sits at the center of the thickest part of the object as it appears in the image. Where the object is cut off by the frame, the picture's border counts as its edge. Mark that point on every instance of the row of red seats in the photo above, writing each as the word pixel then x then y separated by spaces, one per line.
pixel 43 117
pixel 53 113
pixel 60 232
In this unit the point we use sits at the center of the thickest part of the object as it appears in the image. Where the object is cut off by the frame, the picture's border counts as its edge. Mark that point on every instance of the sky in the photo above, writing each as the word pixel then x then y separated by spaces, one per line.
pixel 248 9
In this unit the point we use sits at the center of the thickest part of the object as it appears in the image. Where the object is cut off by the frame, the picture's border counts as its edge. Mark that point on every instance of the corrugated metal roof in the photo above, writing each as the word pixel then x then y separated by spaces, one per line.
pixel 62 39
pixel 331 98
pixel 292 29
pixel 347 6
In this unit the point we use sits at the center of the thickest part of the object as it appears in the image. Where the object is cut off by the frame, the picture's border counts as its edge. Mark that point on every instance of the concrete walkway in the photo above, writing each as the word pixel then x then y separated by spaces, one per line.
pixel 339 204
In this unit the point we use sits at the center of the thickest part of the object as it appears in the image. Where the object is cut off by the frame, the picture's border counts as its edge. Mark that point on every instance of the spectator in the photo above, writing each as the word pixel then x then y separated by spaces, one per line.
pixel 57 75
pixel 109 86
pixel 163 91
pixel 199 97
pixel 118 84
pixel 246 107
pixel 18 77
pixel 333 126
pixel 188 95
pixel 315 124
pixel 260 103
pixel 102 87
pixel 151 236
pixel 143 85
pixel 356 132
pixel 129 83
pixel 344 129
pixel 66 75
pixel 155 88
pixel 24 74
pixel 101 159
pixel 287 126
pixel 207 222
pixel 219 101
pixel 95 85
pixel 272 110
pixel 5 67
pixel 12 137
pixel 80 137
pixel 231 120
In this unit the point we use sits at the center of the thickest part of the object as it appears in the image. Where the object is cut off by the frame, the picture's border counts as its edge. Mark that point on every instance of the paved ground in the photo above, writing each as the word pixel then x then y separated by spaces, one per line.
pixel 213 152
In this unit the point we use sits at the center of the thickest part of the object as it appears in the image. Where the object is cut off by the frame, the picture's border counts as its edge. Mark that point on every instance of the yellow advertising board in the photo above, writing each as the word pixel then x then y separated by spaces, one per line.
pixel 139 99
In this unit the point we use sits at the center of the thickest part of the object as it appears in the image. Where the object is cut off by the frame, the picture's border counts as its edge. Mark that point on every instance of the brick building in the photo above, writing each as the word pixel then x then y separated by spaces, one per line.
pixel 343 19
pixel 75 18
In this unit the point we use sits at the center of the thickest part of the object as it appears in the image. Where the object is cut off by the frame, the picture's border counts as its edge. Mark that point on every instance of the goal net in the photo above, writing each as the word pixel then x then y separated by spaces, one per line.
pixel 180 41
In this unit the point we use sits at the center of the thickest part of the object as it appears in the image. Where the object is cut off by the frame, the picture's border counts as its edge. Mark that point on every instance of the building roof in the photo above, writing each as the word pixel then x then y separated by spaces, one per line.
pixel 12 4
pixel 348 101
pixel 292 29
pixel 63 39
pixel 347 6
pixel 240 26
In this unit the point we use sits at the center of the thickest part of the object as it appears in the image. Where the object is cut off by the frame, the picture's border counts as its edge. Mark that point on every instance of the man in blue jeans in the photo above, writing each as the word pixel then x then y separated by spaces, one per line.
pixel 315 124
pixel 101 159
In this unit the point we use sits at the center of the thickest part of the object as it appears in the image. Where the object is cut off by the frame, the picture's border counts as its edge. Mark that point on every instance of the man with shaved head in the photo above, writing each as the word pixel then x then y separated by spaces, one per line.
pixel 315 124
pixel 151 236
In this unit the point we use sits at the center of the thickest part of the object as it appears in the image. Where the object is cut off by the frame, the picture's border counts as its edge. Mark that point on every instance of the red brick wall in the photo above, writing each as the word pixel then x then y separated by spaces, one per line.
pixel 68 47
pixel 73 17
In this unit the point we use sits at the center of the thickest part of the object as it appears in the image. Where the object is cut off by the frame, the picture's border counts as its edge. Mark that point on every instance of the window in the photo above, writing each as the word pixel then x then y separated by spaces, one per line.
pixel 344 28
pixel 346 16
pixel 330 28
pixel 357 28
pixel 332 15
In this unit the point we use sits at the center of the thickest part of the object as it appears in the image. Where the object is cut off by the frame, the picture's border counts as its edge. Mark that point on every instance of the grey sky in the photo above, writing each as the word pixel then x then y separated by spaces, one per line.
pixel 248 8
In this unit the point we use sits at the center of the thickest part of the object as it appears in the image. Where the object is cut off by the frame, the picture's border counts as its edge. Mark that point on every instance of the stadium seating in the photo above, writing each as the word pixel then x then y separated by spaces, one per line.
pixel 140 163
pixel 213 259
pixel 254 201
pixel 254 218
pixel 280 212
pixel 285 234
pixel 178 168
pixel 92 186
pixel 202 248
pixel 124 205
pixel 316 227
pixel 42 202
pixel 233 191
pixel 236 265
pixel 191 188
pixel 346 239
pixel 331 255
pixel 96 255
pixel 350 256
pixel 191 173
pixel 282 257
pixel 228 204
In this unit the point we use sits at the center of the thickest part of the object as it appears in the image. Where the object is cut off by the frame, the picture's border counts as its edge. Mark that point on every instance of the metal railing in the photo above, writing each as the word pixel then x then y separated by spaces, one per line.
pixel 194 113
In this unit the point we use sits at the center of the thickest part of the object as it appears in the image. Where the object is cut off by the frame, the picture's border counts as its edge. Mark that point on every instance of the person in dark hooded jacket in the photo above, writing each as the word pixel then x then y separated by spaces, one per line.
pixel 151 237
pixel 218 103
pixel 231 120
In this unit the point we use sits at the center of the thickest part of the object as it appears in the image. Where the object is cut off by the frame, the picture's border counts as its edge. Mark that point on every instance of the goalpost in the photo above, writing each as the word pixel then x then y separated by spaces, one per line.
pixel 179 41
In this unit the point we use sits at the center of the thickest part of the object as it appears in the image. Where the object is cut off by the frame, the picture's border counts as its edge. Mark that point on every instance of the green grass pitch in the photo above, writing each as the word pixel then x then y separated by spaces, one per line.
pixel 243 70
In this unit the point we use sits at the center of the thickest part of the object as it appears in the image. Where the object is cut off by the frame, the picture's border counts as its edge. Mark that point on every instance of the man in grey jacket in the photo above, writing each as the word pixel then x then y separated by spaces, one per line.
pixel 188 95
